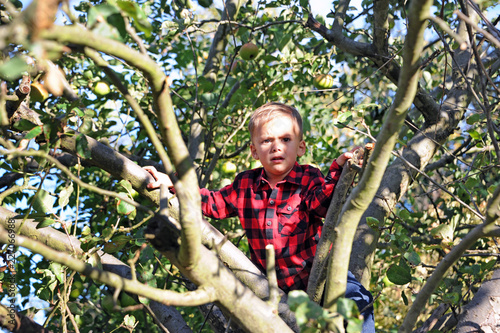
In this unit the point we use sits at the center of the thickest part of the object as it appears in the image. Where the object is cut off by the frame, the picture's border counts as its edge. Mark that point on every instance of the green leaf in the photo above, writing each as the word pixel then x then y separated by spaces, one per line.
pixel 344 117
pixel 43 202
pixel 474 118
pixel 116 244
pixel 209 99
pixel 471 183
pixel 140 19
pixel 13 69
pixel 475 135
pixel 372 222
pixel 86 231
pixel 125 184
pixel 413 258
pixel 399 275
pixel 297 297
pixel 347 307
pixel 65 195
pixel 107 21
pixel 58 271
pixel 443 231
pixel 36 131
pixel 124 208
pixel 23 125
pixel 129 320
pixel 82 146
pixel 45 223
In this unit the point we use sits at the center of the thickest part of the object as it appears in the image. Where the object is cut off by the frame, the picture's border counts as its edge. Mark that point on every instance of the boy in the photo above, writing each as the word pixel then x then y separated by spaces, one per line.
pixel 282 203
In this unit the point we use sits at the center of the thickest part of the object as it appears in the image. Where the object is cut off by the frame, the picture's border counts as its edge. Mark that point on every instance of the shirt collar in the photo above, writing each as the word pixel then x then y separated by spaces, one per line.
pixel 294 176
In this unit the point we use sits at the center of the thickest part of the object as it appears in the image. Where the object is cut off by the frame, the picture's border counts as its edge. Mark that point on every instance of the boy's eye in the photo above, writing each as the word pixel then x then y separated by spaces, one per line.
pixel 286 139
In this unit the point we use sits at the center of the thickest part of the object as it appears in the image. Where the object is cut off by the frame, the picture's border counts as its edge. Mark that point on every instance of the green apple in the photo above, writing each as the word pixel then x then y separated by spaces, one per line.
pixel 255 164
pixel 76 289
pixel 229 167
pixel 249 51
pixel 323 81
pixel 101 88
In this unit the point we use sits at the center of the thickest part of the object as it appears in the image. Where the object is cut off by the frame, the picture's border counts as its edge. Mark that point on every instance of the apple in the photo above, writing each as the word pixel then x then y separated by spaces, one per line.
pixel 76 289
pixel 224 182
pixel 38 92
pixel 255 164
pixel 101 88
pixel 229 167
pixel 249 51
pixel 323 81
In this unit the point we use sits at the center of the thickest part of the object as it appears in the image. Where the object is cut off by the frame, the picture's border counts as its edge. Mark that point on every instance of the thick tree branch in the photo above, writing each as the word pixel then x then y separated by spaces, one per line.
pixel 482 313
pixel 249 311
pixel 317 278
pixel 363 194
pixel 167 297
pixel 419 151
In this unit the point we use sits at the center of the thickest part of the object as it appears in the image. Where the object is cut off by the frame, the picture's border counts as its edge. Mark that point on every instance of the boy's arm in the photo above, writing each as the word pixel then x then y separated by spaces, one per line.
pixel 320 190
pixel 214 204
pixel 219 204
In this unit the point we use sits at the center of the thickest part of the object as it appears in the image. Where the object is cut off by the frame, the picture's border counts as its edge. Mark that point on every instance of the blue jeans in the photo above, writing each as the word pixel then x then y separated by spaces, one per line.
pixel 362 297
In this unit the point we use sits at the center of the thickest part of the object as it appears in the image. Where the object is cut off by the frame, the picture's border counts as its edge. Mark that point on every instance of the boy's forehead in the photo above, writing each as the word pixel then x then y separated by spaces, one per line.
pixel 277 118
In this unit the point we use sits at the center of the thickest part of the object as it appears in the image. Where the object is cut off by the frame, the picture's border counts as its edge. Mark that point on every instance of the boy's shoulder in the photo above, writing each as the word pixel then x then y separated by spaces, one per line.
pixel 310 168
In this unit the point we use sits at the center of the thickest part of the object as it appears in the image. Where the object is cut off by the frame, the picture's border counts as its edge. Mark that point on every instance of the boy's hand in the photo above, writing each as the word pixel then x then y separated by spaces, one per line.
pixel 160 178
pixel 347 156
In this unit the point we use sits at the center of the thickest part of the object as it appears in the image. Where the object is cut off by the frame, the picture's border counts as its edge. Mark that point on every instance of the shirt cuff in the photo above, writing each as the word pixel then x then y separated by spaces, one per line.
pixel 334 172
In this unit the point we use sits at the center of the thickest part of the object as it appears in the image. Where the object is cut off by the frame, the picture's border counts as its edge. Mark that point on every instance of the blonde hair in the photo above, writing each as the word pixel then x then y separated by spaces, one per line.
pixel 269 111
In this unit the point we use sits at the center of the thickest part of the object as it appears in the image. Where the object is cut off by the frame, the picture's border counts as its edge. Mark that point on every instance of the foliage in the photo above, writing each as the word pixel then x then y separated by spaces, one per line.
pixel 432 215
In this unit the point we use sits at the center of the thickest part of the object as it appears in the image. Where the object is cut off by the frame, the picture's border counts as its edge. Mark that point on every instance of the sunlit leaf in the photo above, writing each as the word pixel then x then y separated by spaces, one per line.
pixel 64 195
pixel 13 69
pixel 82 146
pixel 43 202
pixel 45 223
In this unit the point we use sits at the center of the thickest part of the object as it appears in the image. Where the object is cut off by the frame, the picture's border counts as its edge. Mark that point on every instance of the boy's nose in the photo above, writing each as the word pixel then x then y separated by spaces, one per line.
pixel 276 147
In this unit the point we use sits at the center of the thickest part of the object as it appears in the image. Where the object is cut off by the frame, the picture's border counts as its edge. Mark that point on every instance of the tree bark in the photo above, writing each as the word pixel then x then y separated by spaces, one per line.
pixel 482 314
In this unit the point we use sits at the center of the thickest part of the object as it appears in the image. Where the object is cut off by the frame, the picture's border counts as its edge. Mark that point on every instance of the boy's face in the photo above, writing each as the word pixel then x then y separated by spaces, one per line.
pixel 277 145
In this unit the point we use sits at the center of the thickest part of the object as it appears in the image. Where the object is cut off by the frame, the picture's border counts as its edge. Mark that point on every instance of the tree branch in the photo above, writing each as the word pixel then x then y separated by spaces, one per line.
pixel 363 194
pixel 492 214
pixel 167 297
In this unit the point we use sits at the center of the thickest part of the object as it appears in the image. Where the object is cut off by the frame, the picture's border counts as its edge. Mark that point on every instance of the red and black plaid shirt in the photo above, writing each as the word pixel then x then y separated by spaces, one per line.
pixel 288 216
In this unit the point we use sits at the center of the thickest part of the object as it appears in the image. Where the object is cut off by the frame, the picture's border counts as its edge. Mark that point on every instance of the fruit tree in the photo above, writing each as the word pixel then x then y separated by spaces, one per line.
pixel 93 90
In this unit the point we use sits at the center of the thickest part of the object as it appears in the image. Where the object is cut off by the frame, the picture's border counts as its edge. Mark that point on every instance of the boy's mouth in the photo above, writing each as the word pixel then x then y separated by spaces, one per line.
pixel 277 159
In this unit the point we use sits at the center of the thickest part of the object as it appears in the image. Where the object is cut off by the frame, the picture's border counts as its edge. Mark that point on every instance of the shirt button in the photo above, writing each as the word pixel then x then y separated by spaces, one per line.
pixel 288 208
pixel 268 223
pixel 271 202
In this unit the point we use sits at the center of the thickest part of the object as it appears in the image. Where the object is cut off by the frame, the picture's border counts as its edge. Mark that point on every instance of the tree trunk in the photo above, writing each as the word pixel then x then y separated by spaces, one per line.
pixel 482 314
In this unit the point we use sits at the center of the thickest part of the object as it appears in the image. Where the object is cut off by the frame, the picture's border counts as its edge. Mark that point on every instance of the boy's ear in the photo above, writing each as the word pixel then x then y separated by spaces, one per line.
pixel 302 148
pixel 254 152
